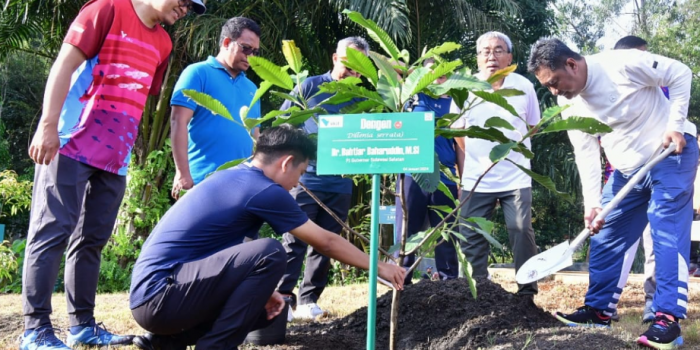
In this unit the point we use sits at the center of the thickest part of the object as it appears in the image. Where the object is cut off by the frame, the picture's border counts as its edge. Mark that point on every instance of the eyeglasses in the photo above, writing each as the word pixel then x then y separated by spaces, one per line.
pixel 186 3
pixel 496 53
pixel 248 50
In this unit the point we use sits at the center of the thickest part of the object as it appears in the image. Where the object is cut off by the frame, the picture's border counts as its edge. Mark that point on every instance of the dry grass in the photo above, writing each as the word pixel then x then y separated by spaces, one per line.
pixel 113 310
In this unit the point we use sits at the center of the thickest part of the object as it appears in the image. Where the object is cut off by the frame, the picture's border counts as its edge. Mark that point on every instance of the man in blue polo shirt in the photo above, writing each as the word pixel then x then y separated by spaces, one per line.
pixel 197 282
pixel 418 201
pixel 203 141
pixel 334 191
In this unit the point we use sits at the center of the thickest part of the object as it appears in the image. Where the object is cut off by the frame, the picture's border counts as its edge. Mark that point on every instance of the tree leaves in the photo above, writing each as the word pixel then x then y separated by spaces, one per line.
pixel 585 124
pixel 499 123
pixel 501 73
pixel 213 105
pixel 376 33
pixel 497 100
pixel 429 182
pixel 271 72
pixel 360 63
pixel 293 55
pixel 544 181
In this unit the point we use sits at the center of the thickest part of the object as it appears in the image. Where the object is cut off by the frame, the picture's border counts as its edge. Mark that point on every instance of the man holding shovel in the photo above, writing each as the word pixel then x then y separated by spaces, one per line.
pixel 621 89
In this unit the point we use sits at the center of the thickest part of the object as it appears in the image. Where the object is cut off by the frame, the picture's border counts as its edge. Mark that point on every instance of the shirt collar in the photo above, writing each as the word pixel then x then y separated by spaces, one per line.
pixel 212 61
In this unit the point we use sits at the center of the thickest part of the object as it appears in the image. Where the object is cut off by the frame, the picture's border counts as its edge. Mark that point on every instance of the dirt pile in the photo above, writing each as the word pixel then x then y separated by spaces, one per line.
pixel 434 315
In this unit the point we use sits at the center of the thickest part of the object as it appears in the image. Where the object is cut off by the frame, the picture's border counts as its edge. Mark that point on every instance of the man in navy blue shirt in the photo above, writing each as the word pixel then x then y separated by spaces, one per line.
pixel 197 281
pixel 333 190
pixel 419 202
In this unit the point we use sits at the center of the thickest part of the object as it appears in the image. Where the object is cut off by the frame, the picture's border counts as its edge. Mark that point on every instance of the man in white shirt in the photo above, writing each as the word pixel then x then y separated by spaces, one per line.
pixel 504 183
pixel 621 89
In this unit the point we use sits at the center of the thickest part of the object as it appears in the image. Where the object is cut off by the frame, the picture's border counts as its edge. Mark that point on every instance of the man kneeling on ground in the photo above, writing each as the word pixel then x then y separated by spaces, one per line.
pixel 198 282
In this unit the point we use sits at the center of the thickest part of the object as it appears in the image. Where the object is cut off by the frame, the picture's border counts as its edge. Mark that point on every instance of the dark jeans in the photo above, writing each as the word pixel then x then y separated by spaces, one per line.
pixel 517 211
pixel 74 205
pixel 214 302
pixel 317 264
pixel 418 204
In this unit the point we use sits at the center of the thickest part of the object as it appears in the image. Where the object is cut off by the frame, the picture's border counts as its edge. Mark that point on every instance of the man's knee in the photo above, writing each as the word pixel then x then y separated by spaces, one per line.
pixel 272 251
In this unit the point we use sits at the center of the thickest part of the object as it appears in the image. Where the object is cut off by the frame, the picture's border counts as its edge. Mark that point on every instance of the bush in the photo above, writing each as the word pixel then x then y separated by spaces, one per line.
pixel 15 201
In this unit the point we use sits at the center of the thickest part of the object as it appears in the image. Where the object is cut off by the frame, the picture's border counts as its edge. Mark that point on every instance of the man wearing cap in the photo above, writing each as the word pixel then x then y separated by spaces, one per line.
pixel 114 55
pixel 201 140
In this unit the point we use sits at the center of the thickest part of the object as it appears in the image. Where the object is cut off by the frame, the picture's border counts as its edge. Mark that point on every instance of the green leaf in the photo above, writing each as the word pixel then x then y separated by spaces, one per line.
pixel 550 113
pixel 360 63
pixel 522 149
pixel 360 107
pixel 429 78
pixel 461 79
pixel 498 122
pixel 230 164
pixel 345 90
pixel 271 115
pixel 490 134
pixel 485 228
pixel 501 73
pixel 298 117
pixel 585 124
pixel 293 55
pixel 387 69
pixel 446 120
pixel 389 94
pixel 439 50
pixel 376 33
pixel 429 182
pixel 459 97
pixel 413 241
pixel 446 191
pixel 544 181
pixel 291 98
pixel 213 105
pixel 405 56
pixel 264 86
pixel 299 78
pixel 446 209
pixel 271 72
pixel 509 92
pixel 500 152
pixel 467 267
pixel 411 82
pixel 497 100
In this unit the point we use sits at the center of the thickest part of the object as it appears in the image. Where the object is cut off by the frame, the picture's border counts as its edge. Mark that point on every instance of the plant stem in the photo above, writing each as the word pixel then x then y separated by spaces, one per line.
pixel 341 222
pixel 393 325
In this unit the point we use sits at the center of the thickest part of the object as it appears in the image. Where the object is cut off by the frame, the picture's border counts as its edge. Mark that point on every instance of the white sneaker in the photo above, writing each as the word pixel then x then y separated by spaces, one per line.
pixel 309 312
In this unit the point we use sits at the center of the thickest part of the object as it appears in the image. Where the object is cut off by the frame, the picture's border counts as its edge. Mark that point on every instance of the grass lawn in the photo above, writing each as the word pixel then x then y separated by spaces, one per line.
pixel 113 310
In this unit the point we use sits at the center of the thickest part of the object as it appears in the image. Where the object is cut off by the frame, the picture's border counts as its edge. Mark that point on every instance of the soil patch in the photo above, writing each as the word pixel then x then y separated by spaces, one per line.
pixel 443 315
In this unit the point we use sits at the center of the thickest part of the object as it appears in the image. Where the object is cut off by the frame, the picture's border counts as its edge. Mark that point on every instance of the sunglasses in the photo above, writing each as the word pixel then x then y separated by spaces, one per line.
pixel 247 50
pixel 186 3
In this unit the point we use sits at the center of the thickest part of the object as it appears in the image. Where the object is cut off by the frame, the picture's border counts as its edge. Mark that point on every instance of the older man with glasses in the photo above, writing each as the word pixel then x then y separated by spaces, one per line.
pixel 202 141
pixel 504 183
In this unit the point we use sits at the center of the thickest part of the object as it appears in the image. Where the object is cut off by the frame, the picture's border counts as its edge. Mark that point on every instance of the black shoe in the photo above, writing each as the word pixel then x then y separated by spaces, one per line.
pixel 664 333
pixel 585 316
pixel 151 341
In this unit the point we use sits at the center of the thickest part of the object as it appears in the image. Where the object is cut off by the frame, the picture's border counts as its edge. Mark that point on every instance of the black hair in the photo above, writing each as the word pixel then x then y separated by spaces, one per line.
pixel 630 42
pixel 550 53
pixel 285 140
pixel 234 27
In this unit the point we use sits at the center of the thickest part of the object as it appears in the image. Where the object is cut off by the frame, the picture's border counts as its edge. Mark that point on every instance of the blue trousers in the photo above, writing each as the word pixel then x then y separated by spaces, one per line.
pixel 664 200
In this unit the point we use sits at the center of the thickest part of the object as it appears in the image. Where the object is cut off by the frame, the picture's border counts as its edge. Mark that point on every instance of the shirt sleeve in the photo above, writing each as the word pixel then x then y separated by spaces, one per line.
pixel 533 107
pixel 158 78
pixel 188 80
pixel 278 208
pixel 90 28
pixel 648 69
pixel 461 122
pixel 586 153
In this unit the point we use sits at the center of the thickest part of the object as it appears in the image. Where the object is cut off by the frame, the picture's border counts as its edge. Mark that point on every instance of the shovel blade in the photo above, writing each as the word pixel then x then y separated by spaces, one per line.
pixel 545 264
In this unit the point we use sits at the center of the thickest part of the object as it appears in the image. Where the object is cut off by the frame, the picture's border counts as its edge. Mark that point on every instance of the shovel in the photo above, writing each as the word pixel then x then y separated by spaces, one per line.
pixel 560 256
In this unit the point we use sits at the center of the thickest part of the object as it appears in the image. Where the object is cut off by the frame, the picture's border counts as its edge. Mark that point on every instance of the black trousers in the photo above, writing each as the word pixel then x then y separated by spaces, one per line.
pixel 214 302
pixel 317 264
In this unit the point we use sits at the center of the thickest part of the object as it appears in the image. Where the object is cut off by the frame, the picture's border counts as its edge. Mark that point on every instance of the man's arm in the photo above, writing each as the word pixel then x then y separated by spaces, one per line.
pixel 45 143
pixel 179 119
pixel 336 247
pixel 653 70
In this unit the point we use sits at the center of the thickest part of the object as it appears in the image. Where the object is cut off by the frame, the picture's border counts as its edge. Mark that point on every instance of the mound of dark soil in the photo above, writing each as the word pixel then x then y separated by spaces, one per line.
pixel 434 315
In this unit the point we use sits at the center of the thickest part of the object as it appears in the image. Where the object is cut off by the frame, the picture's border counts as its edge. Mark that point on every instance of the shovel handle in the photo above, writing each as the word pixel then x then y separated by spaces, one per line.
pixel 622 194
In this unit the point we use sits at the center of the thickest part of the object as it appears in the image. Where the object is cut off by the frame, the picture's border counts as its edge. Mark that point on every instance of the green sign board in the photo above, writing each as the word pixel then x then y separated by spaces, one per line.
pixel 379 143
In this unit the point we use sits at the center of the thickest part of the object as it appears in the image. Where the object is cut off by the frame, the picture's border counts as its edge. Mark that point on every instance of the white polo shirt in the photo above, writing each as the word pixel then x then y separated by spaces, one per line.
pixel 504 176
pixel 623 91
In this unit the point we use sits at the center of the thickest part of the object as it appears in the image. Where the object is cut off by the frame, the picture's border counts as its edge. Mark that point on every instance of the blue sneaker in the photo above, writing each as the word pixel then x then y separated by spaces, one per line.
pixel 42 338
pixel 97 335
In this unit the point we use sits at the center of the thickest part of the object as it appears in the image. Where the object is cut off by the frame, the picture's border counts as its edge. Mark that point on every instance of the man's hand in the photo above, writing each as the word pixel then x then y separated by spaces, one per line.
pixel 588 220
pixel 675 137
pixel 45 144
pixel 274 305
pixel 394 274
pixel 181 182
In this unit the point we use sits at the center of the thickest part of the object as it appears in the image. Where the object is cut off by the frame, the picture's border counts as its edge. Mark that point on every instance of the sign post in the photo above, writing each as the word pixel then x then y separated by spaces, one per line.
pixel 380 143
